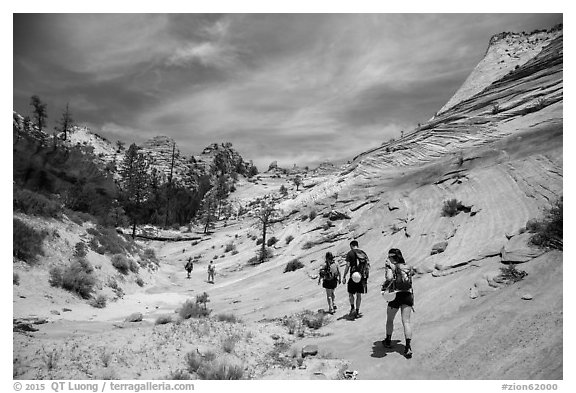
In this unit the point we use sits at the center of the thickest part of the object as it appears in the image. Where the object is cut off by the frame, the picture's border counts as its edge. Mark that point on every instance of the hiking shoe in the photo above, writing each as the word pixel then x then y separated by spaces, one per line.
pixel 335 307
pixel 352 313
pixel 387 343
pixel 408 352
pixel 358 314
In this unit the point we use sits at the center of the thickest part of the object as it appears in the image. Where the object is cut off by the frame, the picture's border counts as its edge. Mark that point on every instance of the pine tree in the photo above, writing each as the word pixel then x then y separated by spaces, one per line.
pixel 66 122
pixel 40 112
pixel 208 211
pixel 266 216
pixel 297 181
pixel 135 183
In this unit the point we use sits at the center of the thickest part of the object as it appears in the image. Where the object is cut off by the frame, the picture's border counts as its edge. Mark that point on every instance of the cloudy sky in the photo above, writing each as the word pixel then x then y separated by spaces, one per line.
pixel 296 88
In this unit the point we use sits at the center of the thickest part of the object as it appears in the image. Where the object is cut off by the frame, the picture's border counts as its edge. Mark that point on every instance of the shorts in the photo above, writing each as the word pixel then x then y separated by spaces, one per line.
pixel 330 284
pixel 357 287
pixel 402 298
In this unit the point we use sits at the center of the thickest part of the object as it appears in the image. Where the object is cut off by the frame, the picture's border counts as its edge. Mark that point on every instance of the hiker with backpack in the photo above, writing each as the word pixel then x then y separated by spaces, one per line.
pixel 359 266
pixel 399 280
pixel 211 271
pixel 189 266
pixel 330 276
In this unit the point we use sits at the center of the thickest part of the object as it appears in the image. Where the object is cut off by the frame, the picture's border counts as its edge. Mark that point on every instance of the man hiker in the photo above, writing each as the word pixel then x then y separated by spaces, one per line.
pixel 399 279
pixel 356 262
pixel 330 276
pixel 189 266
pixel 211 270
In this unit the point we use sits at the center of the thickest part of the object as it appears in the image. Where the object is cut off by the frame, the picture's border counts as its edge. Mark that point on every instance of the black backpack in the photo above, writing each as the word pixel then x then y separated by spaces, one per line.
pixel 402 279
pixel 362 263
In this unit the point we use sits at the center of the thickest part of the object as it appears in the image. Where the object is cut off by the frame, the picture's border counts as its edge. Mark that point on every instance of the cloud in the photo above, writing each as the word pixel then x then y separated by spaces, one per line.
pixel 206 53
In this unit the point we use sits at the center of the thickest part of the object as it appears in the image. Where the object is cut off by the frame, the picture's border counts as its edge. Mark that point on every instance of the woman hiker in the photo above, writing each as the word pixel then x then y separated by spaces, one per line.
pixel 330 276
pixel 399 279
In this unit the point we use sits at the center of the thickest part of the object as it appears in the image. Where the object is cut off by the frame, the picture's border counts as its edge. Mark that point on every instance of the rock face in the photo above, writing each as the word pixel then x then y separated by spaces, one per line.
pixel 518 250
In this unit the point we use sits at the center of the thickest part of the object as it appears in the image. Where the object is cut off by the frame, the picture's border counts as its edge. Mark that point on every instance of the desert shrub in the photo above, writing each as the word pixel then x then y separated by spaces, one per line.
pixel 107 240
pixel 540 103
pixel 547 233
pixel 289 238
pixel 227 318
pixel 230 247
pixel 291 324
pixel 80 250
pixel 99 301
pixel 312 215
pixel 85 265
pixel 191 309
pixel 271 241
pixel 495 108
pixel 259 241
pixel 253 261
pixel 15 279
pixel 313 320
pixel 27 242
pixel 304 217
pixel 293 265
pixel 140 281
pixel 510 274
pixel 253 237
pixel 163 320
pixel 452 207
pixel 307 245
pixel 235 252
pixel 121 263
pixel 221 369
pixel 193 361
pixel 265 254
pixel 30 202
pixel 73 278
pixel 229 343
pixel 178 375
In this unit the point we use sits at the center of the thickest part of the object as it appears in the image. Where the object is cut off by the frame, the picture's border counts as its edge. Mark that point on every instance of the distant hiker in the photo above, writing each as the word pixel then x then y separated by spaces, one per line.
pixel 189 266
pixel 359 266
pixel 330 276
pixel 399 279
pixel 211 270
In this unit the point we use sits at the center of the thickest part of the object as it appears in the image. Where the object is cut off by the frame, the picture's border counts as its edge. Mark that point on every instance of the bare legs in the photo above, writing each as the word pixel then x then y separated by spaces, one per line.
pixel 406 313
pixel 331 297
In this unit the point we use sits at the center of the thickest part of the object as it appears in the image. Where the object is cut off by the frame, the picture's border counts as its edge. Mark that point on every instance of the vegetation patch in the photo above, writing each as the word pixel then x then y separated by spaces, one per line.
pixel 27 242
pixel 163 320
pixel 289 238
pixel 293 265
pixel 98 302
pixel 227 317
pixel 108 241
pixel 547 233
pixel 452 207
pixel 77 278
pixel 271 241
pixel 36 204
pixel 510 274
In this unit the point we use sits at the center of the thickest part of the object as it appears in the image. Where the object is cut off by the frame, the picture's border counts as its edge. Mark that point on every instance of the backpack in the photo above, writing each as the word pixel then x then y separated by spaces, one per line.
pixel 189 266
pixel 402 279
pixel 329 272
pixel 362 263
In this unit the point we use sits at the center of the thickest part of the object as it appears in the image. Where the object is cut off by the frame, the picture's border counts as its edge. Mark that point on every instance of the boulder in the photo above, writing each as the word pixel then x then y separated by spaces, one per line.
pixel 518 250
pixel 439 248
pixel 309 350
pixel 527 296
pixel 335 215
pixel 318 376
pixel 55 312
pixel 275 336
pixel 135 317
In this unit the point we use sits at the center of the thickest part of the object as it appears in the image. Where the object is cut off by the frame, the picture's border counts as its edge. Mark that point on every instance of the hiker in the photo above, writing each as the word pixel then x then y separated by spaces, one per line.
pixel 189 266
pixel 330 276
pixel 211 270
pixel 399 279
pixel 356 262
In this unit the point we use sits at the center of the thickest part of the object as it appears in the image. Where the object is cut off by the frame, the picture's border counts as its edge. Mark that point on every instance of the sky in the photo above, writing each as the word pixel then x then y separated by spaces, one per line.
pixel 293 88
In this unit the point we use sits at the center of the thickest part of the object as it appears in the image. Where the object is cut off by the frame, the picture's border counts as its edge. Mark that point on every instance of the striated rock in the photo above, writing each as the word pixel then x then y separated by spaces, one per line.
pixel 135 317
pixel 517 250
pixel 439 248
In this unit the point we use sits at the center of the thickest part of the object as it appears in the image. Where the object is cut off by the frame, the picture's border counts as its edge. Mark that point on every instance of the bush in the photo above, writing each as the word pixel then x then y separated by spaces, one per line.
pixel 312 215
pixel 289 239
pixel 547 233
pixel 80 250
pixel 140 281
pixel 178 375
pixel 163 320
pixel 495 109
pixel 313 320
pixel 259 241
pixel 228 318
pixel 221 369
pixel 235 252
pixel 229 343
pixel 121 263
pixel 79 218
pixel 510 275
pixel 192 309
pixel 452 207
pixel 74 278
pixel 30 202
pixel 307 245
pixel 99 301
pixel 107 240
pixel 293 265
pixel 27 242
pixel 304 217
pixel 271 241
pixel 253 261
pixel 230 247
pixel 193 361
pixel 15 279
